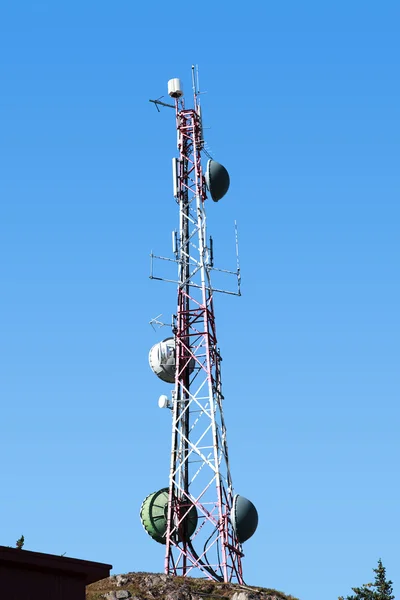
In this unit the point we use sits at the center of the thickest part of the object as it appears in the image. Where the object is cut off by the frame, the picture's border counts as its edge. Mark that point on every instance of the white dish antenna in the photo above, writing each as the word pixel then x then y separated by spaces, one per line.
pixel 164 402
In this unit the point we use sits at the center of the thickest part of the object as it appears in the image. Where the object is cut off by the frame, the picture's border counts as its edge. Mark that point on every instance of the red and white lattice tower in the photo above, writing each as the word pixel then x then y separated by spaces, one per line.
pixel 198 517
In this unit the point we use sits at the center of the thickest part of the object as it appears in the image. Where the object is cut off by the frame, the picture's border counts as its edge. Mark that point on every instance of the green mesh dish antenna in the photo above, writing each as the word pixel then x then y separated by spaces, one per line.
pixel 153 514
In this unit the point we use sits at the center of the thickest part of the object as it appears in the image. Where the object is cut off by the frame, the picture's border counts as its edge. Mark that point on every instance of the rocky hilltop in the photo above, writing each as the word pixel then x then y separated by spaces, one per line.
pixel 153 586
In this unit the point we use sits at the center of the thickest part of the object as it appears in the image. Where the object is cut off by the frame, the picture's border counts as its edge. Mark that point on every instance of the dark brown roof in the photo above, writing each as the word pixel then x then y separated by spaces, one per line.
pixel 86 570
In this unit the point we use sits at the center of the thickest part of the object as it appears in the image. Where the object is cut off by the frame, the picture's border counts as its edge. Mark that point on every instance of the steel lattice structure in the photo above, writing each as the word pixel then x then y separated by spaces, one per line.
pixel 199 468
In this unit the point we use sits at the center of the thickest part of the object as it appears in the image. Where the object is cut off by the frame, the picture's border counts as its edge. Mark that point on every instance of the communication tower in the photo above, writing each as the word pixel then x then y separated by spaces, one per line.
pixel 202 523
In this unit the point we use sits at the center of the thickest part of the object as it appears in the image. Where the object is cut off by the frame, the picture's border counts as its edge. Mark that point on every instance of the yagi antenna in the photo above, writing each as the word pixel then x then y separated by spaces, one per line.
pixel 159 103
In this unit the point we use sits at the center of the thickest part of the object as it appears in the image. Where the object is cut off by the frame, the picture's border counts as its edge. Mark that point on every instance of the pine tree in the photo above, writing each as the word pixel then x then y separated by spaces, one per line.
pixel 362 593
pixel 383 588
pixel 379 590
pixel 20 543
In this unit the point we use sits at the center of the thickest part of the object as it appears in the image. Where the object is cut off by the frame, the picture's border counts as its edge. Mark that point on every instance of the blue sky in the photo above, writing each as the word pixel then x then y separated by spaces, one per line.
pixel 303 108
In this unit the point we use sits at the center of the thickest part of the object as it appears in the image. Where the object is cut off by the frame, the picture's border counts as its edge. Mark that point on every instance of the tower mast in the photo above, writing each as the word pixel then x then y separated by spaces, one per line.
pixel 199 519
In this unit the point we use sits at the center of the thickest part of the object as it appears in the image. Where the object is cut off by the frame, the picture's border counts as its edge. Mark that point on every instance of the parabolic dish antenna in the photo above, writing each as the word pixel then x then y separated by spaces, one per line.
pixel 163 401
pixel 217 180
pixel 244 518
pixel 162 360
pixel 153 514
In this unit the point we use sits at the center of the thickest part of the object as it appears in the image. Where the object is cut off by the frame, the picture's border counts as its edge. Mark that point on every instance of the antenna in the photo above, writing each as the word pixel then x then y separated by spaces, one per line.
pixel 239 277
pixel 194 81
pixel 198 518
pixel 195 86
pixel 211 262
pixel 198 79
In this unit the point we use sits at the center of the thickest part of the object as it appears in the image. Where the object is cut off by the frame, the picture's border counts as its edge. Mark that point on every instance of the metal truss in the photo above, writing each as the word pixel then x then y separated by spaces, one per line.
pixel 199 467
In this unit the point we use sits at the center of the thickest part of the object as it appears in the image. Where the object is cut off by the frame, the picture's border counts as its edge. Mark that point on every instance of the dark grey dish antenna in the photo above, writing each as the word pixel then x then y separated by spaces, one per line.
pixel 244 518
pixel 217 180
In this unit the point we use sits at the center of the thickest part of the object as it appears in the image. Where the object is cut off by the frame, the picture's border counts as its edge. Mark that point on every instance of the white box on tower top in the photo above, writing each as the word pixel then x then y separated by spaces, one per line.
pixel 175 89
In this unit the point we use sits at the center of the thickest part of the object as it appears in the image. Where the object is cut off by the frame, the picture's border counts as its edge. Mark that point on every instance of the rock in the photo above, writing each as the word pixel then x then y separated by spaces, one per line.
pixel 159 586
pixel 207 588
pixel 245 596
pixel 154 580
pixel 155 585
pixel 182 593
